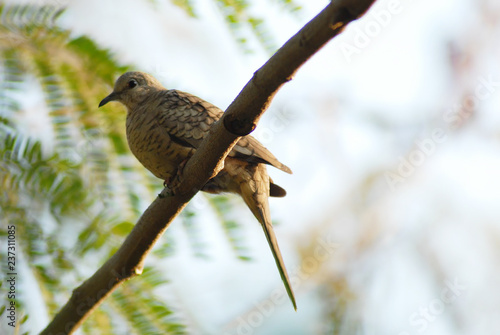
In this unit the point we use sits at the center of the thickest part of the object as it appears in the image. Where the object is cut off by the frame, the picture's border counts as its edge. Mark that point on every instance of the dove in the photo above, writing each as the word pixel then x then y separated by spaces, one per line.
pixel 165 127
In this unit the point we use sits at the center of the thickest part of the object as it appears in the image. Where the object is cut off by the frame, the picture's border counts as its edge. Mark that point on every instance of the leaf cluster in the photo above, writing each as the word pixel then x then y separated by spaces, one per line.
pixel 73 190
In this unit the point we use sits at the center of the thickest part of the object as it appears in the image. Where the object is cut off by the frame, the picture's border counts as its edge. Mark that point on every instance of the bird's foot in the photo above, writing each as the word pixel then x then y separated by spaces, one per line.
pixel 174 181
pixel 167 192
pixel 167 181
pixel 180 168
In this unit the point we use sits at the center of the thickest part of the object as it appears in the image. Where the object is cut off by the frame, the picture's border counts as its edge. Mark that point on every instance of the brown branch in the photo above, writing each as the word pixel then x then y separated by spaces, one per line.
pixel 240 118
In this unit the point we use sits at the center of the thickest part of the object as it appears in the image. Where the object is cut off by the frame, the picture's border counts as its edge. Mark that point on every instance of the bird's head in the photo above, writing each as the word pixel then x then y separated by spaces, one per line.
pixel 131 88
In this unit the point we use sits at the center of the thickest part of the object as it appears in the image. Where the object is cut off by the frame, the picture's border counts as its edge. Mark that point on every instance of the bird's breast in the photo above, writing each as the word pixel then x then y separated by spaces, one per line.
pixel 152 146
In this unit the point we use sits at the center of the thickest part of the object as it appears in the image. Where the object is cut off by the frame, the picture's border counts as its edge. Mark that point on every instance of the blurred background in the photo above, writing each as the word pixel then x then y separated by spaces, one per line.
pixel 391 222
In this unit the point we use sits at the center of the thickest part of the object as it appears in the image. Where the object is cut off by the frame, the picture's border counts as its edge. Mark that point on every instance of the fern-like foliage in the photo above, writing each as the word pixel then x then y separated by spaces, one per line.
pixel 71 191
pixel 242 21
pixel 223 208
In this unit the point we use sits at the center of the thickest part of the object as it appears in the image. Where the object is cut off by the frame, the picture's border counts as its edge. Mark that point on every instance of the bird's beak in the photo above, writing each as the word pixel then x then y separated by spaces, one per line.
pixel 112 97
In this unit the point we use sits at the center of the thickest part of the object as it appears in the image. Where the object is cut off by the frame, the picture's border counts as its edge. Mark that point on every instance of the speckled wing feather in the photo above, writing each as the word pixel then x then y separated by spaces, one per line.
pixel 188 118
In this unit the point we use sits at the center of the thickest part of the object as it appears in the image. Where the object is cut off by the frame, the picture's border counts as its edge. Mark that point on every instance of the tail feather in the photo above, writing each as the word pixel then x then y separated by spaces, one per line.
pixel 276 190
pixel 273 244
pixel 255 193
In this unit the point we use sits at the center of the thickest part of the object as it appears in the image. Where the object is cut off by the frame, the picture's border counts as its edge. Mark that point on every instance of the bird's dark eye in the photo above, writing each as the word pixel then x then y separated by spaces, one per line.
pixel 132 83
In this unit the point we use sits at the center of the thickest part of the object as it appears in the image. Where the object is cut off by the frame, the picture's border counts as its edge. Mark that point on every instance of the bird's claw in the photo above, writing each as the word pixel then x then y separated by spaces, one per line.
pixel 172 182
pixel 167 192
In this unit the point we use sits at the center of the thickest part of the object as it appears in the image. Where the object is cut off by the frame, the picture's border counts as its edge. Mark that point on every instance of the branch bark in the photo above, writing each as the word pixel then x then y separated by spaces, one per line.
pixel 240 118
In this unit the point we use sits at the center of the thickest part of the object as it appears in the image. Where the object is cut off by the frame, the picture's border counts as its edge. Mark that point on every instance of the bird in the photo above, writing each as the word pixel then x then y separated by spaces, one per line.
pixel 164 128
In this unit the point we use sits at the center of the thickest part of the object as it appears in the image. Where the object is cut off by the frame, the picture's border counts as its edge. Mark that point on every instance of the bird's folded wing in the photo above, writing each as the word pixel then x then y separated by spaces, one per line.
pixel 188 118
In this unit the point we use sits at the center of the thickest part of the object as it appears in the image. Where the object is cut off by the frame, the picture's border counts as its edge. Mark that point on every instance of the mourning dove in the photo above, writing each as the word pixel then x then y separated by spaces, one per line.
pixel 164 129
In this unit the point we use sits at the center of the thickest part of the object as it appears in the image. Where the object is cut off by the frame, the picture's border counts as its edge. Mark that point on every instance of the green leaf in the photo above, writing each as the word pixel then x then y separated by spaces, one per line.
pixel 122 228
pixel 100 60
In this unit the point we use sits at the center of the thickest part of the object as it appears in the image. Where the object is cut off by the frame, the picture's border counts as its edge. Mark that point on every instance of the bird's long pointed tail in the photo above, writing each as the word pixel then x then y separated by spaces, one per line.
pixel 259 205
pixel 273 244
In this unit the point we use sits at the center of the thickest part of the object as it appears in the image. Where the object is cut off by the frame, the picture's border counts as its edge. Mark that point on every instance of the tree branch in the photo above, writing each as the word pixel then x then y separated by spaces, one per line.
pixel 240 118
